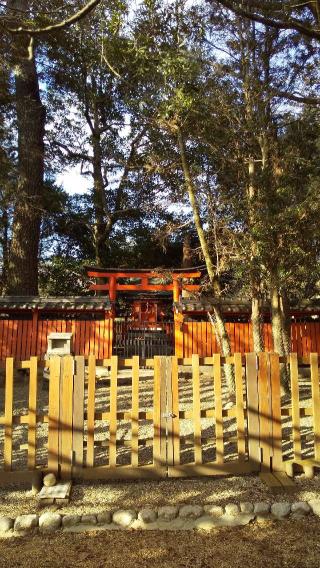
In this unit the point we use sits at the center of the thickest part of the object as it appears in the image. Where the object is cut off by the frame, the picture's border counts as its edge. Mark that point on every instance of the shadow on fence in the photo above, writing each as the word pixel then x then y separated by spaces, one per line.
pixel 256 414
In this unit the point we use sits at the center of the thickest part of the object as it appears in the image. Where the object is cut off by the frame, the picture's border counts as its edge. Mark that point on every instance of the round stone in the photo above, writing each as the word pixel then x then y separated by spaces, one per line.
pixel 315 506
pixel 280 510
pixel 190 511
pixel 246 507
pixel 147 516
pixel 168 513
pixel 5 524
pixel 213 510
pixel 70 520
pixel 124 518
pixel 300 508
pixel 104 518
pixel 232 509
pixel 89 520
pixel 49 522
pixel 26 522
pixel 49 480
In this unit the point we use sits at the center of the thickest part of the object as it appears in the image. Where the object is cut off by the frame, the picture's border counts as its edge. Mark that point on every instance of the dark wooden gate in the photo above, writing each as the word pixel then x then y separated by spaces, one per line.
pixel 143 339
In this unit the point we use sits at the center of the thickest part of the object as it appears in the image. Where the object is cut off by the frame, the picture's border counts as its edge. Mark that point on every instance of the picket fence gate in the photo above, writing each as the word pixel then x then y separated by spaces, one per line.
pixel 160 417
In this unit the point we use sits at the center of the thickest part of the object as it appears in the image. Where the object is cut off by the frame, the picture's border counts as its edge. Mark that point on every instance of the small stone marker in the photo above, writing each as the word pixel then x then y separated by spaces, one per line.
pixel 49 480
pixel 59 493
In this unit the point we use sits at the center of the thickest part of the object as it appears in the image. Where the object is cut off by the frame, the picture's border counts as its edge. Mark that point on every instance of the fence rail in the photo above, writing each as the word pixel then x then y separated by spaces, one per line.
pixel 158 417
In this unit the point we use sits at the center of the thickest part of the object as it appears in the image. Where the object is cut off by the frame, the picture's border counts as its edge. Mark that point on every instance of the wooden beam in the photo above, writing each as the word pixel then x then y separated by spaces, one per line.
pixel 141 287
pixel 176 275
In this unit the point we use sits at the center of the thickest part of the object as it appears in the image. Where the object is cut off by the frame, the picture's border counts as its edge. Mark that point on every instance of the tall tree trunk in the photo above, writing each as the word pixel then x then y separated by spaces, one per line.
pixel 277 323
pixel 285 322
pixel 256 316
pixel 187 259
pixel 102 229
pixel 257 322
pixel 103 221
pixel 24 254
pixel 217 316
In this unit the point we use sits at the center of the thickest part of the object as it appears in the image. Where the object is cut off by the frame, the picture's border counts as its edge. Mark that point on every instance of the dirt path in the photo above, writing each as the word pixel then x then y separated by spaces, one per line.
pixel 276 545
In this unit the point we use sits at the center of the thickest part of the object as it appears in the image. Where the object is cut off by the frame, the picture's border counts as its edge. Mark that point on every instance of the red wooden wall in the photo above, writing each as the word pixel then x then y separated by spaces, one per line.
pixel 198 337
pixel 21 339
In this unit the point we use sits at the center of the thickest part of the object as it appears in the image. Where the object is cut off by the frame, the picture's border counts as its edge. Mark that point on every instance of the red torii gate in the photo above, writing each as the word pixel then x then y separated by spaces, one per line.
pixel 176 286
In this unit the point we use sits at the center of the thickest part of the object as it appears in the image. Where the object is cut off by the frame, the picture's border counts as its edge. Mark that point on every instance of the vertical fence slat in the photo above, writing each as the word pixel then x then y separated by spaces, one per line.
pixel 78 413
pixel 314 364
pixel 240 407
pixel 175 411
pixel 32 412
pixel 218 407
pixel 54 400
pixel 163 411
pixel 157 413
pixel 276 411
pixel 113 411
pixel 8 413
pixel 66 412
pixel 296 436
pixel 264 410
pixel 91 409
pixel 196 409
pixel 253 410
pixel 135 413
pixel 170 428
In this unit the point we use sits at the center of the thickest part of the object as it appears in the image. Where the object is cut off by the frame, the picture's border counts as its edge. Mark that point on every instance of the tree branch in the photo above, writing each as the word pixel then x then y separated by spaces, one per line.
pixel 290 24
pixel 60 25
pixel 297 98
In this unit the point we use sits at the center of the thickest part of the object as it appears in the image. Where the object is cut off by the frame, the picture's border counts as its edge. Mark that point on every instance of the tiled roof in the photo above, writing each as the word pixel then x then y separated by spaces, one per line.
pixel 237 305
pixel 55 303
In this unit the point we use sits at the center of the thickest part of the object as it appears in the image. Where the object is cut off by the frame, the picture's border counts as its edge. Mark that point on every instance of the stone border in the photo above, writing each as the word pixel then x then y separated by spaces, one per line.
pixel 170 517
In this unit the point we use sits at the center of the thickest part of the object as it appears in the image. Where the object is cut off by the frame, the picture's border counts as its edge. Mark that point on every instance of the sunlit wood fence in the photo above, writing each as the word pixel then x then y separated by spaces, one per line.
pixel 161 417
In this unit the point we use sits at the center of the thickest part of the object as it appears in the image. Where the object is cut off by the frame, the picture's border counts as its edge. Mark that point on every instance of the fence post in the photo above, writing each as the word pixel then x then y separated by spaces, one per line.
pixel 253 411
pixel 78 414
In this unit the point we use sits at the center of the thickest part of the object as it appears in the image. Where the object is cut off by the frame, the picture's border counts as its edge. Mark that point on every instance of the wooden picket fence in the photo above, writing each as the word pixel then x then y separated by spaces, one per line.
pixel 160 417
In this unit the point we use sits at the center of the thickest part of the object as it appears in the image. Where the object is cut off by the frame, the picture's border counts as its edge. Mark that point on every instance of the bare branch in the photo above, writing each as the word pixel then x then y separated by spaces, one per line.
pixel 60 25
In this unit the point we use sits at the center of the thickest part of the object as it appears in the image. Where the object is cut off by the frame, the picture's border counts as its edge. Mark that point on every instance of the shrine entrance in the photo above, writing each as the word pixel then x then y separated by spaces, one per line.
pixel 144 339
pixel 145 321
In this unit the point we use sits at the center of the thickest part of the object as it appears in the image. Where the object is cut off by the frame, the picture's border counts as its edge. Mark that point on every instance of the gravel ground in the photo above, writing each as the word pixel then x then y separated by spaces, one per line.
pixel 275 545
pixel 95 497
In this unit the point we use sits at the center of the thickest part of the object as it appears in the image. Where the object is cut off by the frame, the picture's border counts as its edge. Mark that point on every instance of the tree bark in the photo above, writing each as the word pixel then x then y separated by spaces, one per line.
pixel 24 254
pixel 257 324
pixel 102 229
pixel 278 333
pixel 217 319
